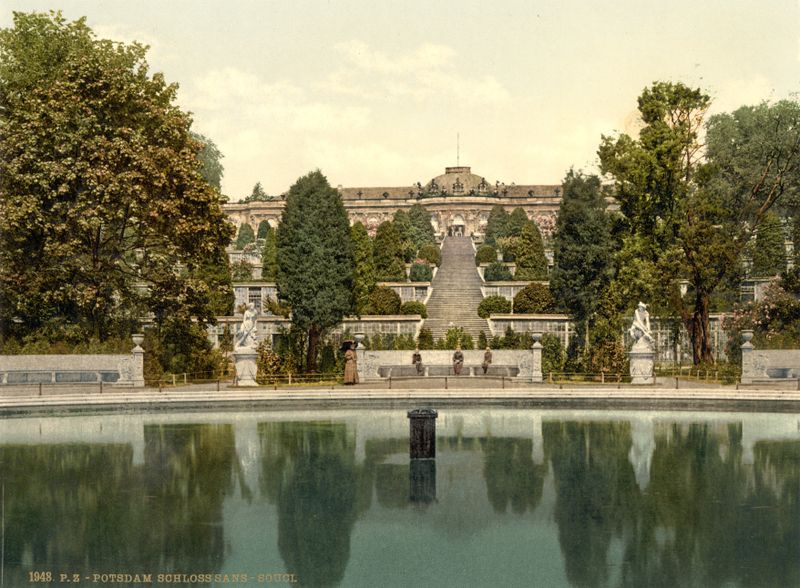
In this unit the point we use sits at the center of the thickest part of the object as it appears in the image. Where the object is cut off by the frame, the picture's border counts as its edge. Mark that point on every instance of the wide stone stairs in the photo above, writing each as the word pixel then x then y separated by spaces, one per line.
pixel 456 291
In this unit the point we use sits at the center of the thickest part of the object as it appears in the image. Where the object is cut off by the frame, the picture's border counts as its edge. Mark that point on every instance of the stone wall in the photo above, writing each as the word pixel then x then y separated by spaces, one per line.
pixel 371 362
pixel 117 369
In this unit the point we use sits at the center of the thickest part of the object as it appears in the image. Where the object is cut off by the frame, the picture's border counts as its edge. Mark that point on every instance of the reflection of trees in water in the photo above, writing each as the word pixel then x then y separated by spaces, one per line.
pixel 309 470
pixel 86 507
pixel 510 474
pixel 712 520
pixel 596 492
pixel 189 469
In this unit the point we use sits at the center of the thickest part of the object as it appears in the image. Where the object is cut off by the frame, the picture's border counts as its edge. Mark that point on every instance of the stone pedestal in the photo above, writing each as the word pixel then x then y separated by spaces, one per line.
pixel 536 365
pixel 748 359
pixel 245 358
pixel 131 369
pixel 422 434
pixel 642 359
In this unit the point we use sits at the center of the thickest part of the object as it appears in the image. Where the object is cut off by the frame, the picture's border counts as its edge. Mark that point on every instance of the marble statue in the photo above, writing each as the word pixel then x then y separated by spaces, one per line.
pixel 246 334
pixel 642 353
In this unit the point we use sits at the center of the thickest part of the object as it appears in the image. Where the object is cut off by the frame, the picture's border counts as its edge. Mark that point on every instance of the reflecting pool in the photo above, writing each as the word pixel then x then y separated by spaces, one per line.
pixel 326 498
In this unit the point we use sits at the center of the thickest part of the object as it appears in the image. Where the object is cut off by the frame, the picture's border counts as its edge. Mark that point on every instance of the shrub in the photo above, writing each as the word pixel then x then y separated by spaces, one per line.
pixel 414 307
pixel 421 272
pixel 425 338
pixel 493 305
pixel 242 271
pixel 534 299
pixel 485 254
pixel 430 253
pixel 553 354
pixel 383 300
pixel 482 341
pixel 453 336
pixel 497 272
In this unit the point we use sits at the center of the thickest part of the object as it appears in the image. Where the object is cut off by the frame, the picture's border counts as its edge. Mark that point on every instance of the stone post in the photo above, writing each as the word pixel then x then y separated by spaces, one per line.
pixel 137 360
pixel 748 359
pixel 536 363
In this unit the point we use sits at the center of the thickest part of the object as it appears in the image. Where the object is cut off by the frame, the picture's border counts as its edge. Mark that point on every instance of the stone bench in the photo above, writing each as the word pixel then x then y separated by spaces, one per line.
pixel 468 370
pixel 59 376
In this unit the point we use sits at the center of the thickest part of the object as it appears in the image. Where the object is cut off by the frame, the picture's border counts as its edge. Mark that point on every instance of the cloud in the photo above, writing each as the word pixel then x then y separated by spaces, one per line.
pixel 427 72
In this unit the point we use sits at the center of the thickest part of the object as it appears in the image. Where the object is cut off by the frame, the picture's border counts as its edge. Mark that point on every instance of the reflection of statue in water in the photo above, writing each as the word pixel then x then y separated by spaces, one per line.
pixel 246 335
pixel 640 329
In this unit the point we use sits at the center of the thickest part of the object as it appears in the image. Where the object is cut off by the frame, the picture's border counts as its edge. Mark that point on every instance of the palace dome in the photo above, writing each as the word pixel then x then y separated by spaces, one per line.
pixel 460 180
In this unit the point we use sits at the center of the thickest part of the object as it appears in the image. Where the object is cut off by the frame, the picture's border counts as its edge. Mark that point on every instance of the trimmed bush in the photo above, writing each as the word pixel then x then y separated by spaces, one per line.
pixel 383 300
pixel 497 272
pixel 534 299
pixel 493 305
pixel 425 339
pixel 420 272
pixel 414 307
pixel 430 253
pixel 553 354
pixel 485 254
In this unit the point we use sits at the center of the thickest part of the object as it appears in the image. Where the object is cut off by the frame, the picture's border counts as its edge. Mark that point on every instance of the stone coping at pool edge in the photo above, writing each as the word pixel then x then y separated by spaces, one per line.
pixel 378 396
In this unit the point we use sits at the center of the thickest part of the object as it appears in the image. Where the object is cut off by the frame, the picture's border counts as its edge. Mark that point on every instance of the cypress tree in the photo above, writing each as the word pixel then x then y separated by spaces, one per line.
pixel 315 259
pixel 531 260
pixel 421 227
pixel 269 255
pixel 516 223
pixel 582 246
pixel 263 229
pixel 364 276
pixel 245 236
pixel 388 255
pixel 496 224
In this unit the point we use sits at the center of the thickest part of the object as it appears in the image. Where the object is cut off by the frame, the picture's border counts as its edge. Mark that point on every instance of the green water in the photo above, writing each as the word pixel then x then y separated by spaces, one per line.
pixel 514 498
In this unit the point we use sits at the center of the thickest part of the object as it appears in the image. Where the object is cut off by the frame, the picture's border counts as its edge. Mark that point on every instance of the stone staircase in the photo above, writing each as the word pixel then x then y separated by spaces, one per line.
pixel 456 291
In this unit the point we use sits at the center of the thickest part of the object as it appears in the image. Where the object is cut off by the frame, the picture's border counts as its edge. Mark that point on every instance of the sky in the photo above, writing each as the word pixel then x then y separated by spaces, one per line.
pixel 389 93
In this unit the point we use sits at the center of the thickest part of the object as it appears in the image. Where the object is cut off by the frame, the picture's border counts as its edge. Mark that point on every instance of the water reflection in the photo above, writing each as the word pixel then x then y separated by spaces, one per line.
pixel 634 500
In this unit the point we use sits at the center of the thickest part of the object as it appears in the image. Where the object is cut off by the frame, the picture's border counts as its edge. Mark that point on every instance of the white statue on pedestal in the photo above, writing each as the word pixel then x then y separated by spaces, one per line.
pixel 642 354
pixel 244 348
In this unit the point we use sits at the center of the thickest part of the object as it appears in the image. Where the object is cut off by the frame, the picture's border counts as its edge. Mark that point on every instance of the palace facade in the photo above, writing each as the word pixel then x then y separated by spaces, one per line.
pixel 458 201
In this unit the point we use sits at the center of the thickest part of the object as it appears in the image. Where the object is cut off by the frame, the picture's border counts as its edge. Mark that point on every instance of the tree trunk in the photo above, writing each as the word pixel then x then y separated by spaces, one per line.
pixel 314 333
pixel 700 331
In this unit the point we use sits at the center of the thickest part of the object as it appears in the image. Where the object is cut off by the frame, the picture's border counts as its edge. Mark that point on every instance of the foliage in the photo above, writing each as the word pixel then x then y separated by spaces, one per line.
pixel 425 338
pixel 534 299
pixel 315 259
pixel 554 356
pixel 258 194
pixel 483 342
pixel 269 255
pixel 582 246
pixel 102 195
pixel 383 301
pixel 509 247
pixel 531 260
pixel 609 357
pixel 769 251
pixel 493 305
pixel 485 254
pixel 497 272
pixel 389 342
pixel 421 228
pixel 414 307
pixel 402 223
pixel 420 272
pixel 209 157
pixel 387 254
pixel 430 253
pixel 269 363
pixel 775 322
pixel 496 224
pixel 242 271
pixel 263 229
pixel 698 218
pixel 455 336
pixel 245 236
pixel 364 276
pixel 179 348
pixel 517 221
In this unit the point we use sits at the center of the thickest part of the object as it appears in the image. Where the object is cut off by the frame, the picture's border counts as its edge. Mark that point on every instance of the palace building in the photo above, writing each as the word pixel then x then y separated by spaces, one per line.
pixel 458 201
